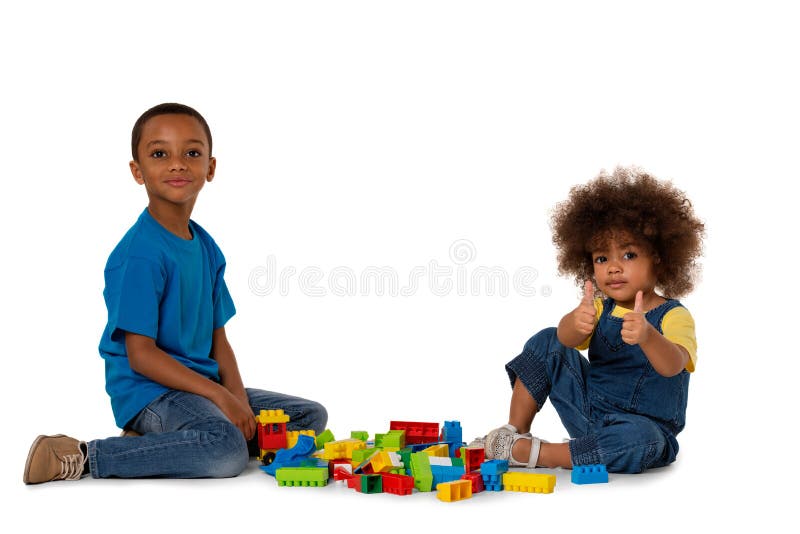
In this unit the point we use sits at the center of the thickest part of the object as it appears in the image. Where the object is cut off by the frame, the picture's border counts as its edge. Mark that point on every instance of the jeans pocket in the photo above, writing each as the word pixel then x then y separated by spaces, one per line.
pixel 147 421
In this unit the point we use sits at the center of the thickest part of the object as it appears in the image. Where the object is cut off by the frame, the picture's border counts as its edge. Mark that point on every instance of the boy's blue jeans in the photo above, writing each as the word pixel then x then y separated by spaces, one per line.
pixel 601 433
pixel 187 436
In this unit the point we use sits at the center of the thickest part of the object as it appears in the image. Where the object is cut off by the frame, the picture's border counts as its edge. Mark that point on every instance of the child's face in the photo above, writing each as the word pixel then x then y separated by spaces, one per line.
pixel 173 160
pixel 622 268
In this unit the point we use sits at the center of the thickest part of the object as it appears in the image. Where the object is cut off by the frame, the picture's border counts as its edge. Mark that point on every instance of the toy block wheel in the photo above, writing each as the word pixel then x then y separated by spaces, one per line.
pixel 268 458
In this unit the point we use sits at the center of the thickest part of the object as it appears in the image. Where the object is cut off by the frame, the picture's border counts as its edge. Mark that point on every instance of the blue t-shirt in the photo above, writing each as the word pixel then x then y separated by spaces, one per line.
pixel 166 288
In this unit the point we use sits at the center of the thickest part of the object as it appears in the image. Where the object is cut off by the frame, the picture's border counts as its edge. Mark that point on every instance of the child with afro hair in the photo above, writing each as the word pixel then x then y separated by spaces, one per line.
pixel 632 242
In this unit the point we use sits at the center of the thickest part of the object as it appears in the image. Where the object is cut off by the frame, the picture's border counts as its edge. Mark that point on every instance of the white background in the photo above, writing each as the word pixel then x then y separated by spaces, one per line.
pixel 372 134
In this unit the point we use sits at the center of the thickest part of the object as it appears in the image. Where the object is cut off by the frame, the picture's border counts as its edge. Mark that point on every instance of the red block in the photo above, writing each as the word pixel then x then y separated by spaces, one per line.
pixel 397 484
pixel 417 432
pixel 354 482
pixel 271 436
pixel 473 458
pixel 476 480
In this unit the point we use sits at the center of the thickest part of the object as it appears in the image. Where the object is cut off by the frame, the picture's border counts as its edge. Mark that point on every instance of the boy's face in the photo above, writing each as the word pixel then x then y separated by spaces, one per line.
pixel 173 162
pixel 622 268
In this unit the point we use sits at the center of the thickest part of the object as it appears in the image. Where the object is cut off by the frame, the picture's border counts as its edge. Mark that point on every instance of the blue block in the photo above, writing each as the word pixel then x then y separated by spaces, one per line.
pixel 293 457
pixel 589 474
pixel 494 467
pixel 451 431
pixel 446 473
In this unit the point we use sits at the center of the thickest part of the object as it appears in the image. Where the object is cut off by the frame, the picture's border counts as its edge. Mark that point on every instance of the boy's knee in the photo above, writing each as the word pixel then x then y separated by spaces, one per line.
pixel 315 417
pixel 228 454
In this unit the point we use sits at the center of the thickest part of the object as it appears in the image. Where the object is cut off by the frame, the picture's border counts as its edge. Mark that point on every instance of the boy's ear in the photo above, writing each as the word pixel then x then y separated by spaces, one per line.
pixel 212 168
pixel 136 172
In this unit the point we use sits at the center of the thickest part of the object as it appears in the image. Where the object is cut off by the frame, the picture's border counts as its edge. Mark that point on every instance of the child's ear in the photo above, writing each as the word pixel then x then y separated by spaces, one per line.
pixel 136 172
pixel 212 168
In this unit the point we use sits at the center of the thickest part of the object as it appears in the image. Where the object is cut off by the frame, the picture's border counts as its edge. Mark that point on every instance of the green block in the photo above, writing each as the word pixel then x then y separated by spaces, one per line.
pixel 371 484
pixel 359 455
pixel 302 476
pixel 421 471
pixel 325 437
pixel 393 438
pixel 363 435
pixel 405 456
pixel 458 461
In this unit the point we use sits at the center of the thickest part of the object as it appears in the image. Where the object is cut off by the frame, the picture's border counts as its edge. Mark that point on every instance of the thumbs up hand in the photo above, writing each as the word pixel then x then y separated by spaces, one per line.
pixel 584 316
pixel 635 328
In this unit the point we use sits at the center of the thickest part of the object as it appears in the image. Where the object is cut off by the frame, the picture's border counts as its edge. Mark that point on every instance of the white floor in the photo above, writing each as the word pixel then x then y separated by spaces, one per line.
pixel 665 500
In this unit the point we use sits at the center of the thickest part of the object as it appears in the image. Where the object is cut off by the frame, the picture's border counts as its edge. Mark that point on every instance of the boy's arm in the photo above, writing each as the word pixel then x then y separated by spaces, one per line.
pixel 577 325
pixel 229 375
pixel 147 359
pixel 666 357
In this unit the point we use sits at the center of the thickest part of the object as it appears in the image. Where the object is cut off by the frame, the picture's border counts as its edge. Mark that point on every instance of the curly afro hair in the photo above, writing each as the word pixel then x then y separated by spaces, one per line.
pixel 655 214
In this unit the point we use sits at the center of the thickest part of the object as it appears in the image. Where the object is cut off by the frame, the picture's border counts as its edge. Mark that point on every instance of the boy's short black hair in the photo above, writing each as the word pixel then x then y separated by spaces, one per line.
pixel 168 108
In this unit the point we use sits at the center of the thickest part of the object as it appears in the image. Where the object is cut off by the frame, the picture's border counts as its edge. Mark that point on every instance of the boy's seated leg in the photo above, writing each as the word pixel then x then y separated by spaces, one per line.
pixel 183 436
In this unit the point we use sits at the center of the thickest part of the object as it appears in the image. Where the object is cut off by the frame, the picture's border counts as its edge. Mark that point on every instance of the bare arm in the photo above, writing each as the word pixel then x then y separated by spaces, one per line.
pixel 229 375
pixel 147 359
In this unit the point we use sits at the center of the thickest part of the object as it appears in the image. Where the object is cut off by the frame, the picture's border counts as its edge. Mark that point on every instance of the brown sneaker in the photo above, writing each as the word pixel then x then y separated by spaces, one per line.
pixel 57 457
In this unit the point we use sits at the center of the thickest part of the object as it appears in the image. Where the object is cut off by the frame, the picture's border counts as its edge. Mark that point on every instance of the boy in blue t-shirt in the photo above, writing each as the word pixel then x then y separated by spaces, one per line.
pixel 171 374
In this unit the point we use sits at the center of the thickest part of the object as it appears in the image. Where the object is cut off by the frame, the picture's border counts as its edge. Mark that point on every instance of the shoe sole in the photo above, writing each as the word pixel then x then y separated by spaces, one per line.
pixel 26 476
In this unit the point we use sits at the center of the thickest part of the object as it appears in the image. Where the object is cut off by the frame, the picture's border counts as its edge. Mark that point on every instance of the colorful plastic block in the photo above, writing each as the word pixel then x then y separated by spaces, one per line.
pixel 476 480
pixel 473 457
pixel 529 482
pixel 440 449
pixel 272 416
pixel 417 432
pixel 421 471
pixel 302 476
pixel 394 438
pixel 325 437
pixel 386 462
pixel 446 473
pixel 342 449
pixel 494 467
pixel 292 435
pixel 457 490
pixel 492 473
pixel 363 435
pixel 291 457
pixel 397 484
pixel 589 474
pixel 451 431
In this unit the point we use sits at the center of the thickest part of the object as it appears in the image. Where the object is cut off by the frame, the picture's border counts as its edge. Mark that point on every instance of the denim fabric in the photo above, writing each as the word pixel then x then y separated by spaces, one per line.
pixel 616 408
pixel 187 436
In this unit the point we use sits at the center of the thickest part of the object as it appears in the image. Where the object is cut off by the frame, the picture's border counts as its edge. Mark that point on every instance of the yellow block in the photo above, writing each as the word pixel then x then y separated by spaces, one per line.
pixel 335 450
pixel 383 462
pixel 529 482
pixel 272 416
pixel 293 435
pixel 441 450
pixel 457 490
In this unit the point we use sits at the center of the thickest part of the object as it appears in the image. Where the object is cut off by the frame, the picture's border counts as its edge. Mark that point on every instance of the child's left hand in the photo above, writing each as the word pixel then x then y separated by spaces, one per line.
pixel 635 328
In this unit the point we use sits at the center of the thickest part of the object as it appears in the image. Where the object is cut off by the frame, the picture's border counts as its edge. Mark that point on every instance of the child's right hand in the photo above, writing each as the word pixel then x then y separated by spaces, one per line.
pixel 584 316
pixel 238 414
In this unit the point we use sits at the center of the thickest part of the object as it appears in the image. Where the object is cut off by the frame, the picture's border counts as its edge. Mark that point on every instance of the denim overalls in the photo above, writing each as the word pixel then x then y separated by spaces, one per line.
pixel 617 409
